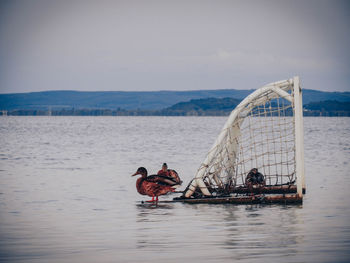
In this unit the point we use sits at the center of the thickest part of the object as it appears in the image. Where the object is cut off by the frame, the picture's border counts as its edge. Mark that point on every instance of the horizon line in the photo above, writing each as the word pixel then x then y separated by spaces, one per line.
pixel 148 91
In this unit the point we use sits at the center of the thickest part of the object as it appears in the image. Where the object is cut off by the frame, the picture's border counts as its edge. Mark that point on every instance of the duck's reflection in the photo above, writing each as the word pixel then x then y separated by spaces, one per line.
pixel 152 222
pixel 150 206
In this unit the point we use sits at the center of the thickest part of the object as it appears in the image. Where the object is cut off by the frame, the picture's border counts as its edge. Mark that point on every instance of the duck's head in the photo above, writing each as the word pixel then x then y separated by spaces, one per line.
pixel 141 170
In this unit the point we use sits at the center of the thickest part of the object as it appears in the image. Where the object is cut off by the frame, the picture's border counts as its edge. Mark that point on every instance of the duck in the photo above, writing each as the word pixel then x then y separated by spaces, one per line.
pixel 154 185
pixel 172 174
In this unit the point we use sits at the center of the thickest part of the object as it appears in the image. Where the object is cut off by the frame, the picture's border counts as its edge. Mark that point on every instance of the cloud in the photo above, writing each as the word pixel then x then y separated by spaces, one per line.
pixel 248 61
pixel 254 60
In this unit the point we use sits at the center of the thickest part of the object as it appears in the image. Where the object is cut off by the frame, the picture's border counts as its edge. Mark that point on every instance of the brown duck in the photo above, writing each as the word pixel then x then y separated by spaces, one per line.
pixel 154 185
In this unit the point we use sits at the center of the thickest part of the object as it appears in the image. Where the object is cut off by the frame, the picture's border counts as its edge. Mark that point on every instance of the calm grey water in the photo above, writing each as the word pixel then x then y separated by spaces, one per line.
pixel 66 195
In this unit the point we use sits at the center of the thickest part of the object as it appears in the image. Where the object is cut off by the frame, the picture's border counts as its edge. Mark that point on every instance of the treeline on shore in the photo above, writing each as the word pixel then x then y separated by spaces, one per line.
pixel 108 112
pixel 199 107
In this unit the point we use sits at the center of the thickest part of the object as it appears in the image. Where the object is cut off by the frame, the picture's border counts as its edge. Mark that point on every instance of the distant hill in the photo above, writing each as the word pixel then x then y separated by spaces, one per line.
pixel 219 107
pixel 310 95
pixel 152 100
pixel 209 106
pixel 200 107
pixel 327 108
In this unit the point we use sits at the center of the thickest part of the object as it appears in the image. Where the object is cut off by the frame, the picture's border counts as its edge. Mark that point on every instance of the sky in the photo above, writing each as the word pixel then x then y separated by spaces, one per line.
pixel 172 45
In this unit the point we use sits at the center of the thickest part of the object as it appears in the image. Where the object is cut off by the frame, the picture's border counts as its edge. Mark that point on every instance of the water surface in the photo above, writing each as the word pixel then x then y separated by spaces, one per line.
pixel 66 195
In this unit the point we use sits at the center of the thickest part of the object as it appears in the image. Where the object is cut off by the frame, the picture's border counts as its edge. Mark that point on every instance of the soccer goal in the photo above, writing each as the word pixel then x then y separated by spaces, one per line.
pixel 265 131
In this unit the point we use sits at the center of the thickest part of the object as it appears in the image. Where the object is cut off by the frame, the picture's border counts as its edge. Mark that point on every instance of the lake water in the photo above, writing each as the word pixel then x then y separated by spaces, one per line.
pixel 66 195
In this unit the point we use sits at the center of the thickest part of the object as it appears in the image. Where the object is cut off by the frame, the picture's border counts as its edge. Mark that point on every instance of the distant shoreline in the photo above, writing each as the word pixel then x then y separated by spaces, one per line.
pixel 143 113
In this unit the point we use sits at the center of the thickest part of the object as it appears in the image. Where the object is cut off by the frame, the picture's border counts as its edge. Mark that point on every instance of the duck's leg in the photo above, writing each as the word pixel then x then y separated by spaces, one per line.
pixel 151 201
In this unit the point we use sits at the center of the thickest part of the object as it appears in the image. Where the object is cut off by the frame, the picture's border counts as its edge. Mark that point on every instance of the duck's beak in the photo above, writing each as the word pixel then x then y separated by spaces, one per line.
pixel 134 174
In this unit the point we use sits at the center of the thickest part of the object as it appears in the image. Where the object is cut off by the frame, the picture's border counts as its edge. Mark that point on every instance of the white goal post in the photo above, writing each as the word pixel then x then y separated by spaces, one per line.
pixel 265 131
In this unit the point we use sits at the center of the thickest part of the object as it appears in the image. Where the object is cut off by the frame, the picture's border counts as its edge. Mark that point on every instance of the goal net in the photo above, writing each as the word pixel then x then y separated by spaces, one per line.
pixel 265 131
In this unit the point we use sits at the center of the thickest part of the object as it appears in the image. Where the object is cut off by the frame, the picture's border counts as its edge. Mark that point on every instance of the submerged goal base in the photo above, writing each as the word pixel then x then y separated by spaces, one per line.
pixel 282 189
pixel 255 199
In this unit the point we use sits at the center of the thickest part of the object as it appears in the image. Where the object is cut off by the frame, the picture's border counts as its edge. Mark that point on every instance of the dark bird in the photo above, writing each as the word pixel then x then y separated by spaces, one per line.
pixel 154 185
